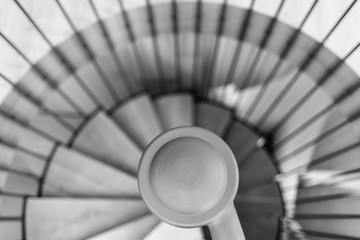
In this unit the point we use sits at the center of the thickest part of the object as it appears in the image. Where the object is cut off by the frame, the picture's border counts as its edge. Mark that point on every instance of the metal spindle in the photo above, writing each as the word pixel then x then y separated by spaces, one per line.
pixel 260 53
pixel 303 66
pixel 63 60
pixel 89 53
pixel 155 42
pixel 208 79
pixel 241 36
pixel 326 76
pixel 111 47
pixel 290 44
pixel 134 48
pixel 37 103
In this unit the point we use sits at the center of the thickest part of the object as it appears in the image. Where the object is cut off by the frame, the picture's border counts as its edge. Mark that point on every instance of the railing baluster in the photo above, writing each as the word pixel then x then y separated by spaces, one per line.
pixel 277 65
pixel 196 56
pixel 134 48
pixel 111 47
pixel 310 93
pixel 241 35
pixel 38 103
pixel 90 54
pixel 155 43
pixel 303 66
pixel 208 79
pixel 65 62
pixel 259 54
pixel 177 51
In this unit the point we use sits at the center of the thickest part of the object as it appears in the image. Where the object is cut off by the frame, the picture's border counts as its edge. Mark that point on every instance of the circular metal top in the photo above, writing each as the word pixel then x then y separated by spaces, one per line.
pixel 188 176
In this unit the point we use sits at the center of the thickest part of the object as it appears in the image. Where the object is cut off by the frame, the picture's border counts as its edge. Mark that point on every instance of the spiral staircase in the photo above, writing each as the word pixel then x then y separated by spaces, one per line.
pixel 88 84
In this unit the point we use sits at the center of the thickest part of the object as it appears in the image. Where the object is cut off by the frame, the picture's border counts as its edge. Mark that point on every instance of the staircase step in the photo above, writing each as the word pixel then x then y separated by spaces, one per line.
pixel 11 206
pixel 20 184
pixel 241 140
pixel 133 230
pixel 74 174
pixel 102 139
pixel 20 136
pixel 12 158
pixel 260 228
pixel 176 110
pixel 165 231
pixel 342 228
pixel 139 119
pixel 321 191
pixel 260 203
pixel 10 229
pixel 73 219
pixel 72 87
pixel 97 85
pixel 325 237
pixel 110 69
pixel 53 128
pixel 212 117
pixel 338 206
pixel 256 168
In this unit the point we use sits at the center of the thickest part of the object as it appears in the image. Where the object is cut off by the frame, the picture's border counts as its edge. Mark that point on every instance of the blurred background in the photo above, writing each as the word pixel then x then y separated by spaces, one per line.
pixel 86 85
